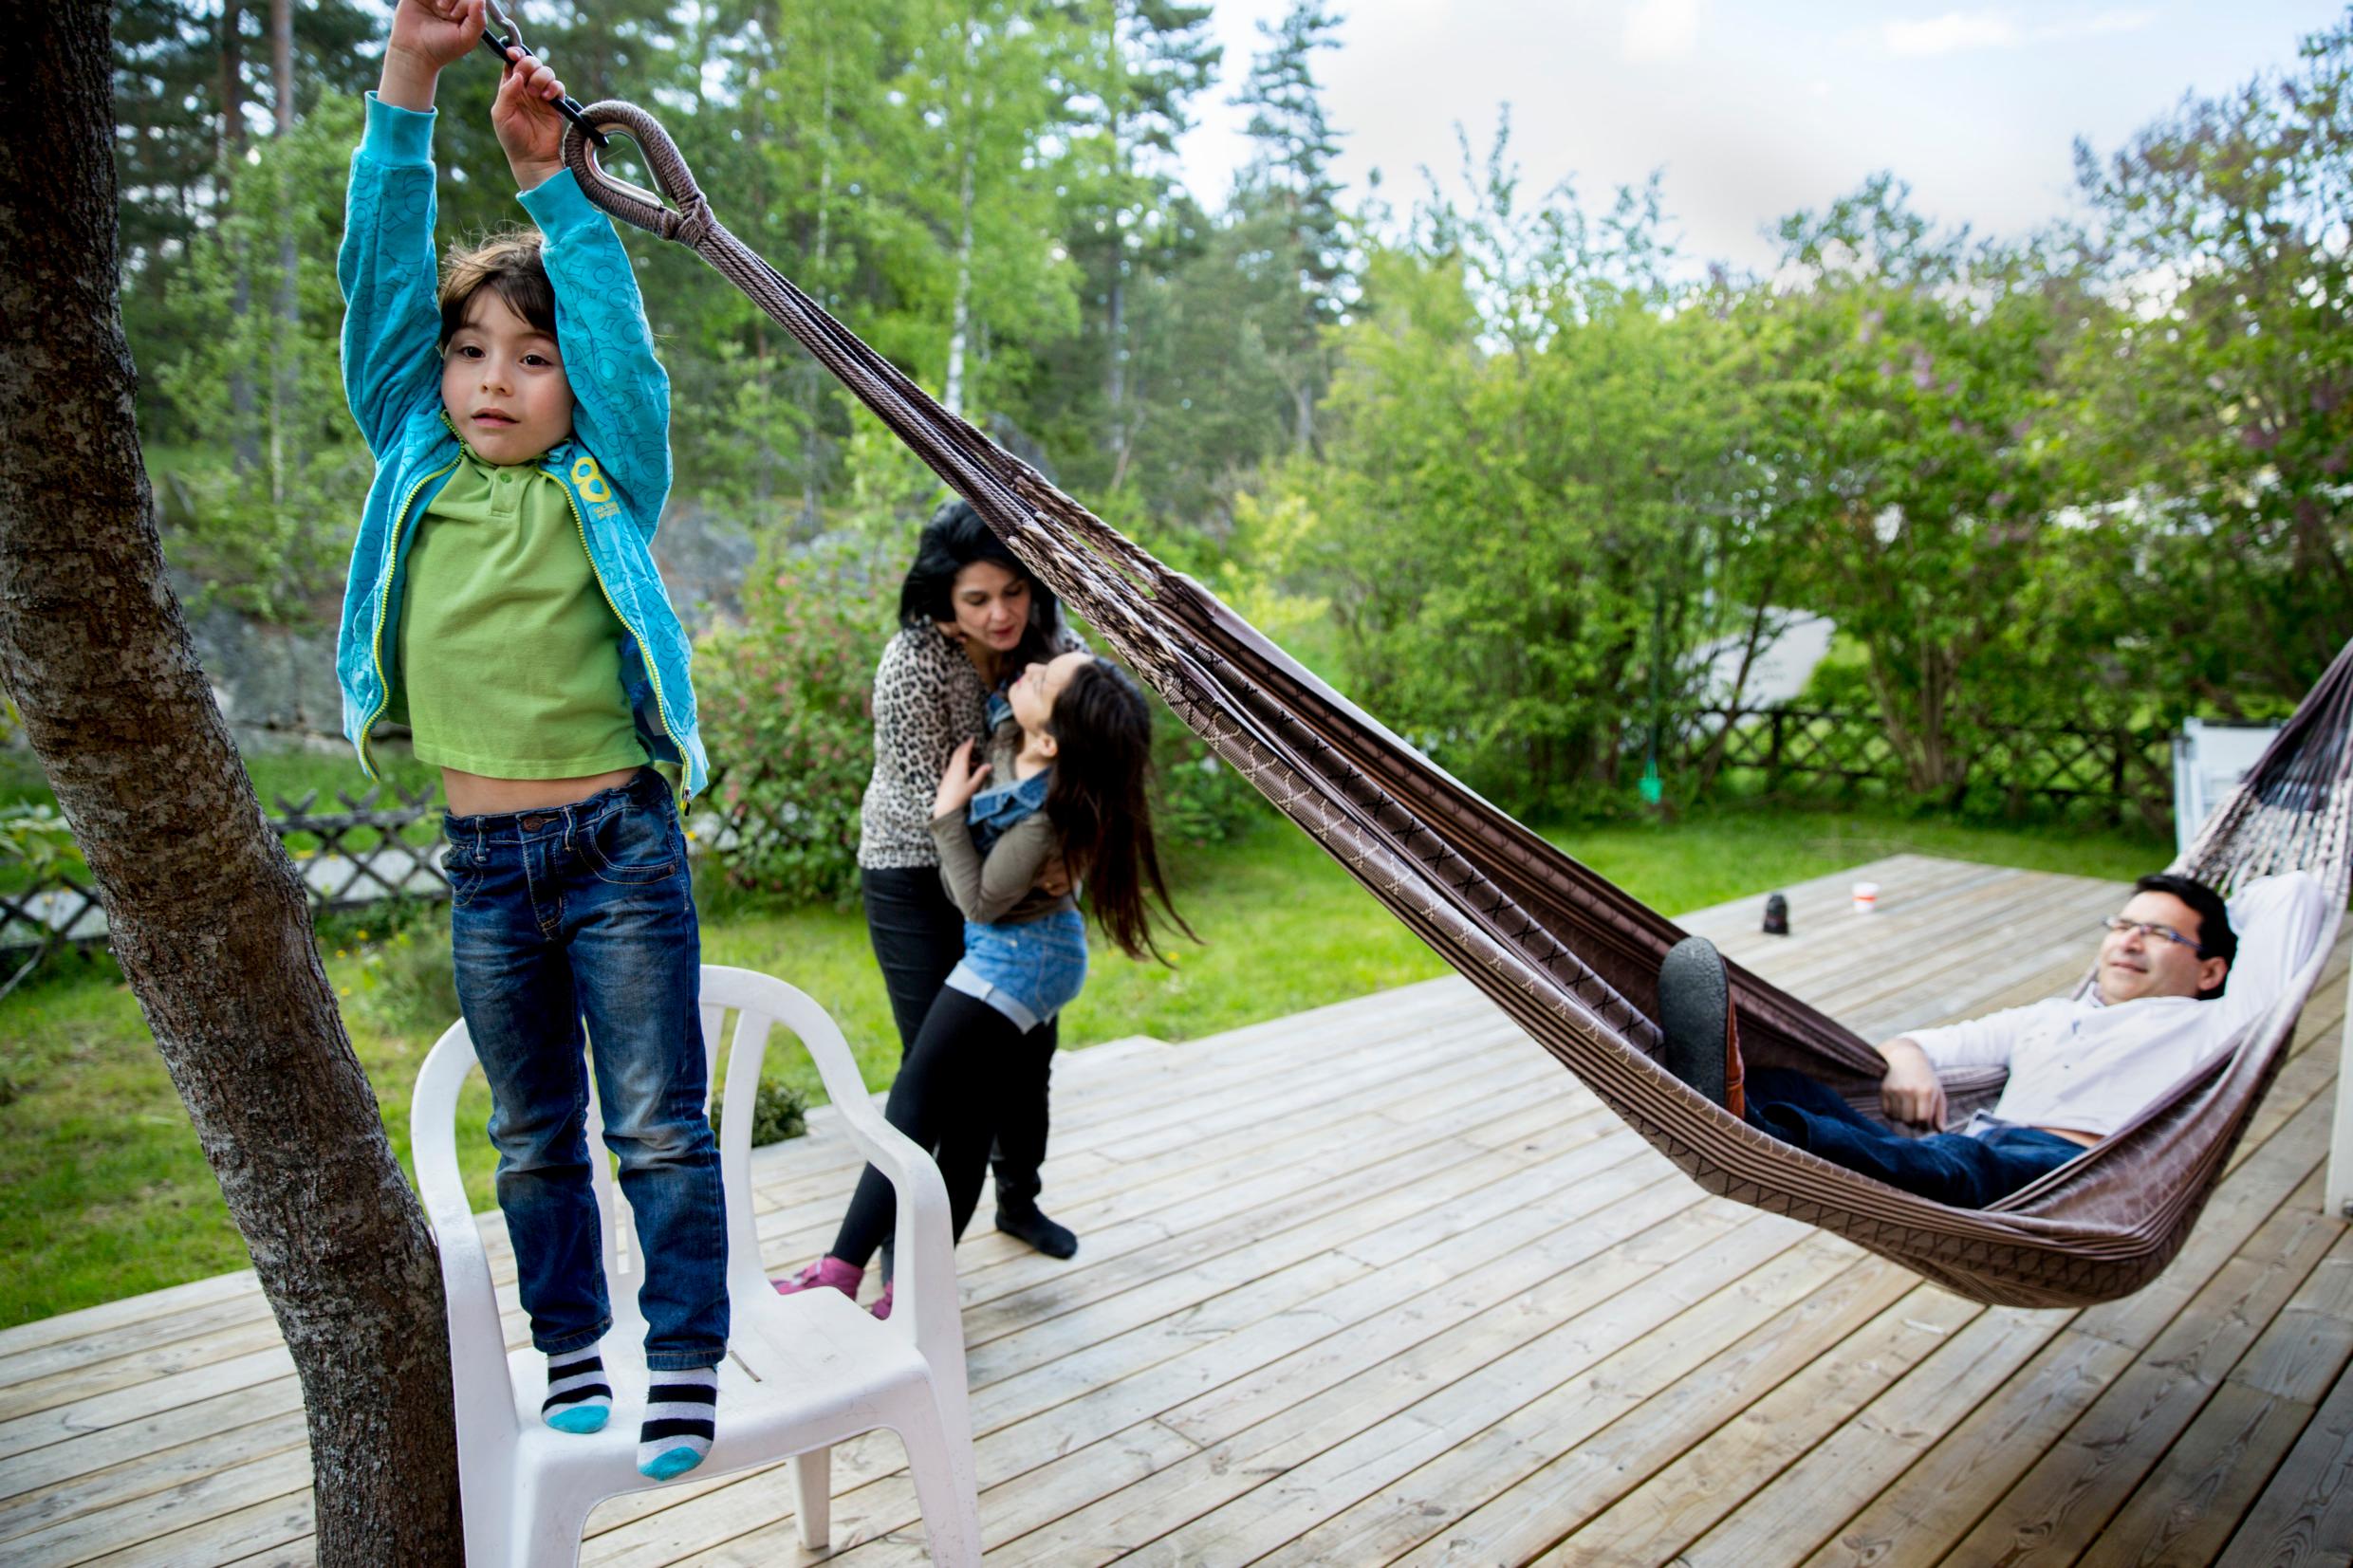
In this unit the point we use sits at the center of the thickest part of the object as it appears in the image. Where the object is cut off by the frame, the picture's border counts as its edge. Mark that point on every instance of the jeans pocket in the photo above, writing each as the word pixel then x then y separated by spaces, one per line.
pixel 632 846
pixel 465 870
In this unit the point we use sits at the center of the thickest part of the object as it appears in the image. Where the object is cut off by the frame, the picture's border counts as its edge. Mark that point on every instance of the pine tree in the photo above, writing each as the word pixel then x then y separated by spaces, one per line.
pixel 1287 191
pixel 1159 59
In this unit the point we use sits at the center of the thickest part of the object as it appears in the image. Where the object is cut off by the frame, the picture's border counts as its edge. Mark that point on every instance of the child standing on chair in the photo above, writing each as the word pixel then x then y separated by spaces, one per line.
pixel 503 602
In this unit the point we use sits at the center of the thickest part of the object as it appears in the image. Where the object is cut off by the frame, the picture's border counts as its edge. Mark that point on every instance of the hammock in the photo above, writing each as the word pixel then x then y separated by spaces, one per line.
pixel 1570 958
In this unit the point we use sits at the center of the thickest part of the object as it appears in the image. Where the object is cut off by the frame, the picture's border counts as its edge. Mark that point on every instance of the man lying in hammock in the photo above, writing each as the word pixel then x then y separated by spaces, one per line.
pixel 2168 997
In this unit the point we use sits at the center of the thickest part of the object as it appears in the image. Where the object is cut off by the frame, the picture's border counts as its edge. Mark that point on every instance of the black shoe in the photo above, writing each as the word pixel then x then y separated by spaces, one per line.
pixel 1702 1045
pixel 1027 1223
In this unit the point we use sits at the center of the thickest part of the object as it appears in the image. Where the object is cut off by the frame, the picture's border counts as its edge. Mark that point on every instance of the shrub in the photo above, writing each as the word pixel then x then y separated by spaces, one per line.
pixel 778 1112
pixel 786 700
pixel 406 982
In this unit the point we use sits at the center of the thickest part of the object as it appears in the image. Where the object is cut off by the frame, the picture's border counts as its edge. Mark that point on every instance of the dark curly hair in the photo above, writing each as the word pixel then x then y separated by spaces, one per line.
pixel 952 540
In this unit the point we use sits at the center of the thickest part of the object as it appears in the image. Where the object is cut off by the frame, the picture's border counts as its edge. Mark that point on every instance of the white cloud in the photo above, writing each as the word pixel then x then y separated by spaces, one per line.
pixel 2095 27
pixel 1951 32
pixel 1661 29
pixel 1958 30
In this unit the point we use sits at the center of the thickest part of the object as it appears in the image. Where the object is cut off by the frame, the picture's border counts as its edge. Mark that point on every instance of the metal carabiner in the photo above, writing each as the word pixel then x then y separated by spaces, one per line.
pixel 511 38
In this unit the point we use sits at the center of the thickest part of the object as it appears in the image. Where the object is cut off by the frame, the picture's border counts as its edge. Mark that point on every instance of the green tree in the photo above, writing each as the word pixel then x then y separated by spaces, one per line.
pixel 1910 438
pixel 996 82
pixel 187 77
pixel 1288 199
pixel 1127 220
pixel 2220 393
pixel 1525 521
pixel 272 535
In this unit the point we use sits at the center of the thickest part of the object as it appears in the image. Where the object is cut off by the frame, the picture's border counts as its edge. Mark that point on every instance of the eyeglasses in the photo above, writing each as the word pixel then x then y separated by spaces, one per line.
pixel 2164 933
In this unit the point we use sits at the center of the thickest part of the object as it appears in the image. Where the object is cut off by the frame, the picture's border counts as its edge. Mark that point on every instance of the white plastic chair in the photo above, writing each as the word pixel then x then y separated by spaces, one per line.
pixel 2208 761
pixel 803 1372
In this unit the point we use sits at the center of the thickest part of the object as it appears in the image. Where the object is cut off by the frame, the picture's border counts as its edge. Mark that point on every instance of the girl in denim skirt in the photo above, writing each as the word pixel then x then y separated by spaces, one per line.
pixel 1067 792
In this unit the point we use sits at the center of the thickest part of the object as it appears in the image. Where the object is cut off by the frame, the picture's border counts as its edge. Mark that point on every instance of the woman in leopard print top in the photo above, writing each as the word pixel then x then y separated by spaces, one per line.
pixel 971 617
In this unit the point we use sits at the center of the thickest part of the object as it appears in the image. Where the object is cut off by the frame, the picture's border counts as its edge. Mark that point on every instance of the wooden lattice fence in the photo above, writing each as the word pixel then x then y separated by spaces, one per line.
pixel 387 843
pixel 2119 773
pixel 383 844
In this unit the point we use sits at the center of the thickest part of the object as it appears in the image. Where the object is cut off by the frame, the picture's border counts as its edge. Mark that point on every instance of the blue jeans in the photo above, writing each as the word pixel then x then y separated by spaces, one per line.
pixel 586 912
pixel 1967 1172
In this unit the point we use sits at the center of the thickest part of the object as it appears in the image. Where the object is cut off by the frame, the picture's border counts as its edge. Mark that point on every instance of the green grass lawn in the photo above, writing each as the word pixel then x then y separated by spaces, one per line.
pixel 106 1194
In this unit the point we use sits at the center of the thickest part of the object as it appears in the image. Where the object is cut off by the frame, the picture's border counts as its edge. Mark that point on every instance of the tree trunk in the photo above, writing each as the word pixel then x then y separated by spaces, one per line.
pixel 1115 307
pixel 207 915
pixel 813 378
pixel 1712 761
pixel 960 317
pixel 244 451
pixel 1115 374
pixel 283 312
pixel 231 80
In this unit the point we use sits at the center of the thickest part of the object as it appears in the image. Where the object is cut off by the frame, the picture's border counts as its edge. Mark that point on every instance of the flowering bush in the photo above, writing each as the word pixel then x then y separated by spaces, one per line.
pixel 785 701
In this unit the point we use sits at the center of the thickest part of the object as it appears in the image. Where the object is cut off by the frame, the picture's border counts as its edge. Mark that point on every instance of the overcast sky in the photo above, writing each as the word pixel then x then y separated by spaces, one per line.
pixel 1758 110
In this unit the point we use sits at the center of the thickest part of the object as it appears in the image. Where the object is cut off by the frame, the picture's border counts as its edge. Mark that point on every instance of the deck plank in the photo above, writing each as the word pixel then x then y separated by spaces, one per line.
pixel 2190 1503
pixel 1964 1474
pixel 2070 1494
pixel 2305 1517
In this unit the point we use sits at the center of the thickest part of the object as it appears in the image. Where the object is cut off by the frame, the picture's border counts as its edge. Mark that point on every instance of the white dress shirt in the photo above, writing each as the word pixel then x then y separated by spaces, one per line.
pixel 2089 1067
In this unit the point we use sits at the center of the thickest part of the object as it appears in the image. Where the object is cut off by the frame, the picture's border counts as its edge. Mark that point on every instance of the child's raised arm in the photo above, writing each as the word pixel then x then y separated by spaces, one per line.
pixel 620 395
pixel 393 318
pixel 428 36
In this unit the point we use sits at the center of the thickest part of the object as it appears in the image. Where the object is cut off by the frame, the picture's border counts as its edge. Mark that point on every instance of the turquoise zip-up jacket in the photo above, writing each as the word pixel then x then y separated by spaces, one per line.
pixel 615 466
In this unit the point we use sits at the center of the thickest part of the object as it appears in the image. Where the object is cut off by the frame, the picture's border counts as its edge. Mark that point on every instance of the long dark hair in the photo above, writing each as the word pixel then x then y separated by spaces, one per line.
pixel 1103 740
pixel 952 540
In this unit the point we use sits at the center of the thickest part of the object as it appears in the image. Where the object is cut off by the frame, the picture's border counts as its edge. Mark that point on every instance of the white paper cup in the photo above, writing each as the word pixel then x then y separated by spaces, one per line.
pixel 1866 898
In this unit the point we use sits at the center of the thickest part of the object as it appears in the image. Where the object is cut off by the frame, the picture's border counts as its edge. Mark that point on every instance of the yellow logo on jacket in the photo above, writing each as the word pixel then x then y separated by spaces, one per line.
pixel 589 481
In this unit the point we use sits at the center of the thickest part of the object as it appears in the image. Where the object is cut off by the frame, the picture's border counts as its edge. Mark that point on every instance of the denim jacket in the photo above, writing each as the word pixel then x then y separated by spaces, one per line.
pixel 614 467
pixel 992 811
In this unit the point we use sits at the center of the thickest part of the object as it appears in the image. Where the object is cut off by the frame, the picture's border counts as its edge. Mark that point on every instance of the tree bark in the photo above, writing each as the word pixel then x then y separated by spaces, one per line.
pixel 231 80
pixel 207 915
pixel 961 313
pixel 284 311
pixel 813 378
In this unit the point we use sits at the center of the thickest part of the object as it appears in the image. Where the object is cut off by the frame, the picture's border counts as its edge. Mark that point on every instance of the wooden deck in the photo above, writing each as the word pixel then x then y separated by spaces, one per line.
pixel 1380 1283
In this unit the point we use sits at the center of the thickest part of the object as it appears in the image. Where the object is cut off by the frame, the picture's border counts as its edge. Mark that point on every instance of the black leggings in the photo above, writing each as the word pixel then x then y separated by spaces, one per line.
pixel 967 1061
pixel 917 936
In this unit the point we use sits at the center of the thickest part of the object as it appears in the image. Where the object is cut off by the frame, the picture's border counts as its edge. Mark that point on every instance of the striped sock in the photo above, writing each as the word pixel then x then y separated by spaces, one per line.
pixel 578 1399
pixel 680 1411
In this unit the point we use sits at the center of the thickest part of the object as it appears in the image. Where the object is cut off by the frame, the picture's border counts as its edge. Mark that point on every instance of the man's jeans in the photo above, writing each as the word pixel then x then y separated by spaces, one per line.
pixel 585 911
pixel 1967 1172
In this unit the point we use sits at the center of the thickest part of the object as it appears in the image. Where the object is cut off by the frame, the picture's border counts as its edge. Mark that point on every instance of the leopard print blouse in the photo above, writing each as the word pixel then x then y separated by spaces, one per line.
pixel 927 699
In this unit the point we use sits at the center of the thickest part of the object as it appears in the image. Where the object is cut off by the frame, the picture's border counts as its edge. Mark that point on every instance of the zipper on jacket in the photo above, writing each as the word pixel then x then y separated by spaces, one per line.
pixel 383 602
pixel 645 652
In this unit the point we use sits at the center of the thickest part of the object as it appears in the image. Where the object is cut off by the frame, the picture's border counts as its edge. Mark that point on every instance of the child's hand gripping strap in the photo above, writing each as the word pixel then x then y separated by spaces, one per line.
pixel 499 42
